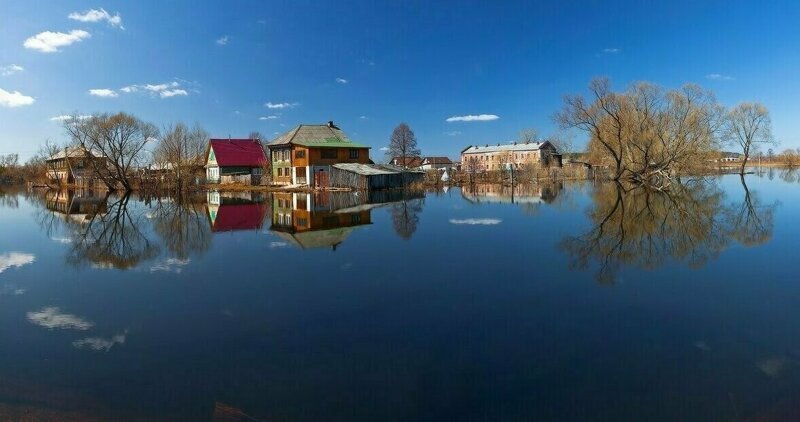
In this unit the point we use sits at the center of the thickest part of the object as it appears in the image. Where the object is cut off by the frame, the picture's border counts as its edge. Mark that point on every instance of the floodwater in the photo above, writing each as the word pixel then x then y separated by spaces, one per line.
pixel 567 301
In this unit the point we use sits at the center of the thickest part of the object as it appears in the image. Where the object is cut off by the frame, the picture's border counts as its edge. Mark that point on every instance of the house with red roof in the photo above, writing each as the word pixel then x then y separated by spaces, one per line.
pixel 235 160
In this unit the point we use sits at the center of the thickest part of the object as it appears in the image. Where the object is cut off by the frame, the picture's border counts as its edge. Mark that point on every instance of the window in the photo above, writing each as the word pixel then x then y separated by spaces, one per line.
pixel 302 222
pixel 300 154
pixel 354 154
pixel 355 219
pixel 329 153
pixel 257 171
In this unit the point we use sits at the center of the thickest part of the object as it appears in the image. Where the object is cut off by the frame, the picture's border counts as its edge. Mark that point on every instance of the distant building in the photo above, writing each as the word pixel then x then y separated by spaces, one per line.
pixel 507 156
pixel 435 163
pixel 76 166
pixel 305 154
pixel 729 157
pixel 407 162
pixel 235 160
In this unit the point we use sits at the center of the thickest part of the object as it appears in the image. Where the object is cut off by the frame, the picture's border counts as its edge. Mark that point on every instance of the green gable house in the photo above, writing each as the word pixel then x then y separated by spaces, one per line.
pixel 305 154
pixel 234 161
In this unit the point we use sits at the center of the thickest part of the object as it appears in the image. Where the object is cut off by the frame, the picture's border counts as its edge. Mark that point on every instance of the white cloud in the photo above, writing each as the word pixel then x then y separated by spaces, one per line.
pixel 15 259
pixel 453 133
pixel 341 81
pixel 279 106
pixel 162 90
pixel 222 41
pixel 611 50
pixel 477 221
pixel 65 117
pixel 172 93
pixel 103 92
pixel 362 117
pixel 50 42
pixel 271 117
pixel 14 99
pixel 160 87
pixel 719 77
pixel 95 15
pixel 100 344
pixel 473 118
pixel 385 149
pixel 52 317
pixel 170 265
pixel 10 69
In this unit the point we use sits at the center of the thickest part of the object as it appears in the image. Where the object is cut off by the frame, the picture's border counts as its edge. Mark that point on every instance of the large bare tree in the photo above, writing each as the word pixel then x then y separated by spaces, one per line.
pixel 181 149
pixel 648 134
pixel 403 143
pixel 120 138
pixel 746 126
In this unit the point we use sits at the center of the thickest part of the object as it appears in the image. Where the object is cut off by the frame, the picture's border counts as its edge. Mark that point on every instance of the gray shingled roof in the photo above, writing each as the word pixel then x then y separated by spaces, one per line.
pixel 73 152
pixel 314 135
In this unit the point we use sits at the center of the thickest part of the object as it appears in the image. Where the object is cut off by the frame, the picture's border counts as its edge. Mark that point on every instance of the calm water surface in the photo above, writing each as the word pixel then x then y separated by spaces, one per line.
pixel 569 302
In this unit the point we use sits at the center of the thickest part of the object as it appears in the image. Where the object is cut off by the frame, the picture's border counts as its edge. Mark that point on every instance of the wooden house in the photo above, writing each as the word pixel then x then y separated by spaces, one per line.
pixel 77 166
pixel 235 161
pixel 305 154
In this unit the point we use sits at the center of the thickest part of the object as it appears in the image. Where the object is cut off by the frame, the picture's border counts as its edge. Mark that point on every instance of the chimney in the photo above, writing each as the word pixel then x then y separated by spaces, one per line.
pixel 331 125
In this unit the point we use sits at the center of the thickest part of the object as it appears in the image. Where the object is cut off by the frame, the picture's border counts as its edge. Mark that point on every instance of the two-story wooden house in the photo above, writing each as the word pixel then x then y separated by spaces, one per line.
pixel 305 154
pixel 77 166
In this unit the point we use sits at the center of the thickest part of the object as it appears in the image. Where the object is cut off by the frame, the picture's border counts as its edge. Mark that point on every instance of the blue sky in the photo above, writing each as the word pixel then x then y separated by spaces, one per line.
pixel 370 65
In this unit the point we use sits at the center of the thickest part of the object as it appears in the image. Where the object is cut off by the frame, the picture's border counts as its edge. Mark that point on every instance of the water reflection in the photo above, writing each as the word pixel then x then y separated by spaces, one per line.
pixel 689 222
pixel 528 197
pixel 326 219
pixel 236 211
pixel 123 232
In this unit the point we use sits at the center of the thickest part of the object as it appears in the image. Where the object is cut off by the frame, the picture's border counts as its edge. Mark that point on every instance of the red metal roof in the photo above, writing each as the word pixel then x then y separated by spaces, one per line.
pixel 231 217
pixel 238 152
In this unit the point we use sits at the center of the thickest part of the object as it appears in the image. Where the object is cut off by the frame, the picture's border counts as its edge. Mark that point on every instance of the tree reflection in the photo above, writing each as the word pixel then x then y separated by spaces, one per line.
pixel 751 221
pixel 645 227
pixel 405 216
pixel 182 226
pixel 113 239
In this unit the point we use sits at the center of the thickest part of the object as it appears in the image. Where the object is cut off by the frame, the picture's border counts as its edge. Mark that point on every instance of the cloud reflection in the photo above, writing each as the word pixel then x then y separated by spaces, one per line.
pixel 477 221
pixel 100 344
pixel 15 259
pixel 170 265
pixel 52 318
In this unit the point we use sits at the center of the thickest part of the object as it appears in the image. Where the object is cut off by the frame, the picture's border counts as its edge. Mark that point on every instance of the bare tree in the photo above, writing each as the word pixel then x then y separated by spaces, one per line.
pixel 403 143
pixel 647 133
pixel 257 135
pixel 528 135
pixel 182 150
pixel 119 138
pixel 747 126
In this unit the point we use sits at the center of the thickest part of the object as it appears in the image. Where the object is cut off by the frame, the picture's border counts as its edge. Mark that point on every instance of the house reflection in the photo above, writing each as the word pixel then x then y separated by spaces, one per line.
pixel 235 211
pixel 318 220
pixel 77 205
pixel 517 194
